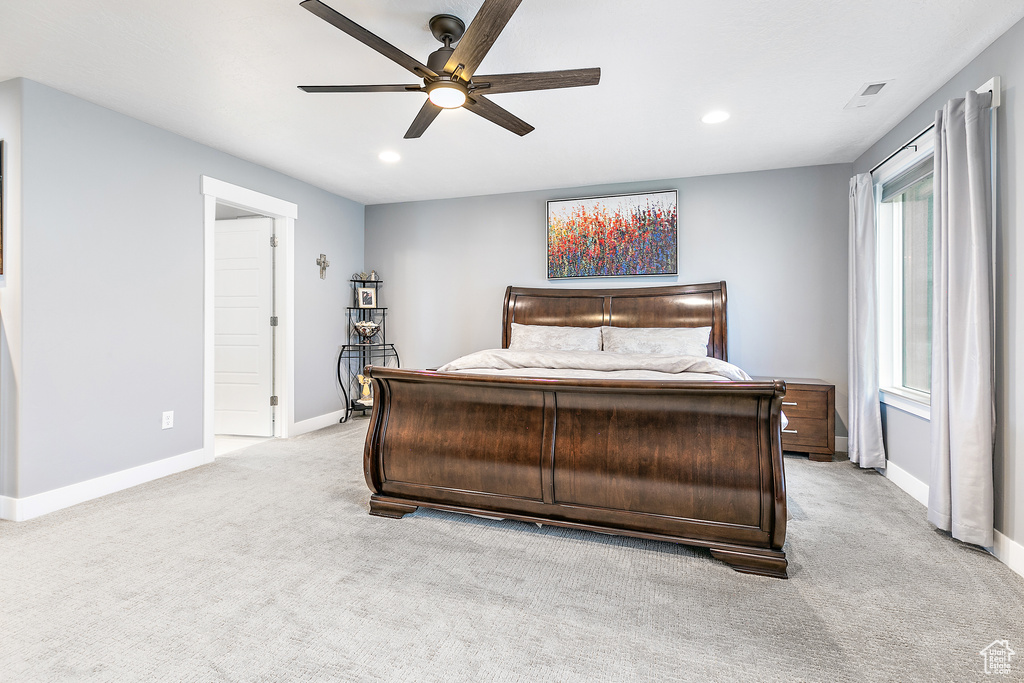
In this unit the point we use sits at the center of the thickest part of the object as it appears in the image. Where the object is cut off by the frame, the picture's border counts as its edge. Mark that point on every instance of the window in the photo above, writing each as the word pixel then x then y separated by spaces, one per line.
pixel 904 215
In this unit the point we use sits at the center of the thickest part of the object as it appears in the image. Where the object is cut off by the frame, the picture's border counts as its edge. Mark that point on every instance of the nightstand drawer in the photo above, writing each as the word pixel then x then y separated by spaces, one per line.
pixel 804 403
pixel 812 425
pixel 805 431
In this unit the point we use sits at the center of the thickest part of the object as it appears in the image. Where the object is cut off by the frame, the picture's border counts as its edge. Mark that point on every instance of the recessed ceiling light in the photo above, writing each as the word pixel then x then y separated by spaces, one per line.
pixel 389 156
pixel 716 116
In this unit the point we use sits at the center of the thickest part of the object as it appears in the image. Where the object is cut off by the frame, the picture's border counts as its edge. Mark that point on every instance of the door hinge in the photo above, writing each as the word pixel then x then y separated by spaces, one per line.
pixel 273 321
pixel 273 400
pixel 273 240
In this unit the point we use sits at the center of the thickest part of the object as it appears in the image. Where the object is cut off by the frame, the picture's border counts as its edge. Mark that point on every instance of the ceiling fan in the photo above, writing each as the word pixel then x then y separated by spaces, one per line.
pixel 449 76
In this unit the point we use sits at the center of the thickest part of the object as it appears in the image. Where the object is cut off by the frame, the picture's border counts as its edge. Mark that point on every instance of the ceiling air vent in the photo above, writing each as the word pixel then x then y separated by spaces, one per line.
pixel 866 95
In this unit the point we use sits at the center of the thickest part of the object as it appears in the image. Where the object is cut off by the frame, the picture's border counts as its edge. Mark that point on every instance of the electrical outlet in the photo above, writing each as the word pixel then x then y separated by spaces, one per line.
pixel 168 419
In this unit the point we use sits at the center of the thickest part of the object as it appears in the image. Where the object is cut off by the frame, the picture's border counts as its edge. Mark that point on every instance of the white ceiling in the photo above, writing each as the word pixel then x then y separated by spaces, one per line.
pixel 223 73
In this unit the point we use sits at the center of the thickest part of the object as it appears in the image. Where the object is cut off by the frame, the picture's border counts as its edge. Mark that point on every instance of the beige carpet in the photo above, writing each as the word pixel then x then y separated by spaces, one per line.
pixel 264 566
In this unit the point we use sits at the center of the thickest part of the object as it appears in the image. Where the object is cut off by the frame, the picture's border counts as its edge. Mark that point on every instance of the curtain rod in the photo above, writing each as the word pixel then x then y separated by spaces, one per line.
pixel 908 143
pixel 992 86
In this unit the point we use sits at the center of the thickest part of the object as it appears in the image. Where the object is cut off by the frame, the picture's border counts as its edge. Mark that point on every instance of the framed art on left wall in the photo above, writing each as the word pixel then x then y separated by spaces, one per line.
pixel 2 169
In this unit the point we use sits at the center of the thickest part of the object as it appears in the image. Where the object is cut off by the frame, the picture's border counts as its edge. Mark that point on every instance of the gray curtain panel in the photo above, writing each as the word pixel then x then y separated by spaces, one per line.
pixel 962 397
pixel 865 419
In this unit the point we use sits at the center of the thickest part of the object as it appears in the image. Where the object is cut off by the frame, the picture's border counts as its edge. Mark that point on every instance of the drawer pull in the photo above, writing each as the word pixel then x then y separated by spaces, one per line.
pixel 787 403
pixel 789 431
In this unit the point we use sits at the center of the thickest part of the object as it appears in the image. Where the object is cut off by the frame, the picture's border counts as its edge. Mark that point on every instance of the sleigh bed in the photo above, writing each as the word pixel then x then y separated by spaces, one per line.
pixel 692 462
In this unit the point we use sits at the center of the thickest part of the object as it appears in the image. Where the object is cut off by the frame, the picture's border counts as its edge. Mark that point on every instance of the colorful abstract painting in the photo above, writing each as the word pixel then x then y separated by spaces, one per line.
pixel 633 234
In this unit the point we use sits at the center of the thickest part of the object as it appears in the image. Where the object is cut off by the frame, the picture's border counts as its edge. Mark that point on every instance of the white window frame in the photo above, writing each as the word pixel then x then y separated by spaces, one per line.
pixel 890 348
pixel 890 275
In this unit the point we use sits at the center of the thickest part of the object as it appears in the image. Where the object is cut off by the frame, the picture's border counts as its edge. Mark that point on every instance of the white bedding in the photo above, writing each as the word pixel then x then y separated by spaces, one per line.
pixel 595 364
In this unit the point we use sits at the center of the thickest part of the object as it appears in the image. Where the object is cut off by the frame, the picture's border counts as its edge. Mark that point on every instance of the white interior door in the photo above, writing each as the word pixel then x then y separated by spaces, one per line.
pixel 243 341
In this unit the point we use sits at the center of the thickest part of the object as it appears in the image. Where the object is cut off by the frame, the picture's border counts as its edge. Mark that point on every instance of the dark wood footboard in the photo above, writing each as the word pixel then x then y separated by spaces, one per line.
pixel 698 463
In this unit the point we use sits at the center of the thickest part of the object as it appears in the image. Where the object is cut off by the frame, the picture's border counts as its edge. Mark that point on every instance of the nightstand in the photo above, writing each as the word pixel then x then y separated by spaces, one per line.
pixel 810 406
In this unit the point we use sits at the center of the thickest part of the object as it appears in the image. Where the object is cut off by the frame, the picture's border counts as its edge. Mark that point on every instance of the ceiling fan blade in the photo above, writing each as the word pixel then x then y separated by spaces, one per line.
pixel 481 106
pixel 360 88
pixel 362 35
pixel 428 112
pixel 538 80
pixel 480 35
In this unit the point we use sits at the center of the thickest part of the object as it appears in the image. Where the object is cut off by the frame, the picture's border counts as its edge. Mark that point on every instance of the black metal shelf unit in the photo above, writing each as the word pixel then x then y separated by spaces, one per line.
pixel 361 350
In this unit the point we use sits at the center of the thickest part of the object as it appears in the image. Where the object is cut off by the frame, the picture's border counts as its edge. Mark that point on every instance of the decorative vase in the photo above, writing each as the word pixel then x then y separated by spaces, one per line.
pixel 367 330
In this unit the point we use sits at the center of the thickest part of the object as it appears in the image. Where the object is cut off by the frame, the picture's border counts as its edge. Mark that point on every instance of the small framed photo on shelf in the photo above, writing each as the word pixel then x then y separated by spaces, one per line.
pixel 367 297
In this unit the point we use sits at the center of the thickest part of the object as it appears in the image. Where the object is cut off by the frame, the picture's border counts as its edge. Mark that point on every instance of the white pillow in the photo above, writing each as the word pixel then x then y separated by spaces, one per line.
pixel 554 338
pixel 675 341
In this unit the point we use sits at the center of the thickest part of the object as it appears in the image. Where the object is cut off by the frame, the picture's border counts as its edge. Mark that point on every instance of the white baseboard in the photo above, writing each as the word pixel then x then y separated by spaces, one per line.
pixel 1005 549
pixel 917 489
pixel 315 423
pixel 21 509
pixel 1009 552
pixel 841 444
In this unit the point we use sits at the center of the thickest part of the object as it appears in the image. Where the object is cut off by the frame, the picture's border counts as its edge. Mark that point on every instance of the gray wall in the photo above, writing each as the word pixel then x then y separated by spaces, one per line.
pixel 112 233
pixel 1004 58
pixel 906 441
pixel 10 281
pixel 778 238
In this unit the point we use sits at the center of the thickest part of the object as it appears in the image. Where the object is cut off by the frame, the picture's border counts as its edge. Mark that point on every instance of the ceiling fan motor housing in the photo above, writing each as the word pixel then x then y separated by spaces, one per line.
pixel 438 58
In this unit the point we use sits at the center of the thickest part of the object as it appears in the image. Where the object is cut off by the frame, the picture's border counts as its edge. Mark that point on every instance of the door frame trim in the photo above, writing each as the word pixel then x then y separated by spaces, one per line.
pixel 284 214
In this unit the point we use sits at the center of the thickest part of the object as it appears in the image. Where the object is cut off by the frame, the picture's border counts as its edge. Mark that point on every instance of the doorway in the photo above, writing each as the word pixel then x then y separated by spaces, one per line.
pixel 251 218
pixel 244 323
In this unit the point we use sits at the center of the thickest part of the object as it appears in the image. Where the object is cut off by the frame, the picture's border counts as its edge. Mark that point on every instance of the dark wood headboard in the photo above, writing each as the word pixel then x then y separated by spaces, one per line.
pixel 672 306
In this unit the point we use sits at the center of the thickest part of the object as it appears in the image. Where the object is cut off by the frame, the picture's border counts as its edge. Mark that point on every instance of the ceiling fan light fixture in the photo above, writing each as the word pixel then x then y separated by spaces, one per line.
pixel 446 95
pixel 717 116
pixel 447 76
pixel 389 156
